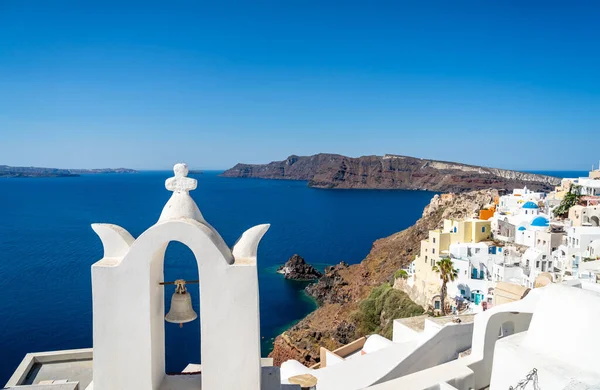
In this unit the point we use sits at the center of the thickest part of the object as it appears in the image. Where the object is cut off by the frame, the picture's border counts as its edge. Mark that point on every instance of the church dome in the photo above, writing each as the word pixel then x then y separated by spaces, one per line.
pixel 540 222
pixel 521 228
pixel 530 205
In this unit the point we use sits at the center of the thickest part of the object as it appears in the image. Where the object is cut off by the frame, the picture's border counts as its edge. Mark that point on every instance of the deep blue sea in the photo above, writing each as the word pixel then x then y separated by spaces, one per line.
pixel 563 174
pixel 47 248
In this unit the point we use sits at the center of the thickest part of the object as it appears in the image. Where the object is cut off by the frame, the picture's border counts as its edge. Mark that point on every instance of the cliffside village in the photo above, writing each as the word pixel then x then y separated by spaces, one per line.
pixel 521 277
pixel 520 241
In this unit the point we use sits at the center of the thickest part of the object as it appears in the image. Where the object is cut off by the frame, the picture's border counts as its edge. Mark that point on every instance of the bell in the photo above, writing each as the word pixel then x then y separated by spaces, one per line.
pixel 181 306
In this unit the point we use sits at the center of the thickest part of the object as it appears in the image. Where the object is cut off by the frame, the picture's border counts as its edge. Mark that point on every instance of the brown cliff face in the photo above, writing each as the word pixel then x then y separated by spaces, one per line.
pixel 329 287
pixel 343 287
pixel 391 172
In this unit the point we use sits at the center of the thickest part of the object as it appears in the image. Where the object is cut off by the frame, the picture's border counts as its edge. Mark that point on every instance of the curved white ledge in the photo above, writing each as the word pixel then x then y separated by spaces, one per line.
pixel 245 249
pixel 115 239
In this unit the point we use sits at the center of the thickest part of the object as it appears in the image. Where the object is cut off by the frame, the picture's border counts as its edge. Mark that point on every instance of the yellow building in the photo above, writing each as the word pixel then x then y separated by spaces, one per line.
pixel 471 230
pixel 426 282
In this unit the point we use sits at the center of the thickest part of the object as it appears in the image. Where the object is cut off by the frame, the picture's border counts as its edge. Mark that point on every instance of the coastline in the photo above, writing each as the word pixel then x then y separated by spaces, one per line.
pixel 331 325
pixel 268 344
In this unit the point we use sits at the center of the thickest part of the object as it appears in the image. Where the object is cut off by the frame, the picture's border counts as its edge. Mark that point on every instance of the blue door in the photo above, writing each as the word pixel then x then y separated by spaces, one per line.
pixel 478 298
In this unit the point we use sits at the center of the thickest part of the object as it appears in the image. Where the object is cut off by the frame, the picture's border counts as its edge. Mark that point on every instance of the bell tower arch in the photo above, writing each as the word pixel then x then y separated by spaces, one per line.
pixel 128 300
pixel 181 310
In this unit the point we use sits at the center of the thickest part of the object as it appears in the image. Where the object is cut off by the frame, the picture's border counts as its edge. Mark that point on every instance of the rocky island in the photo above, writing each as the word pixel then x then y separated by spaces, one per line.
pixel 391 172
pixel 296 268
pixel 8 171
pixel 346 293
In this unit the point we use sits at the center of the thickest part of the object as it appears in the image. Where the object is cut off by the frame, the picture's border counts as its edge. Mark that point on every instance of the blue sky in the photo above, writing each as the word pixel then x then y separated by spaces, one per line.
pixel 511 84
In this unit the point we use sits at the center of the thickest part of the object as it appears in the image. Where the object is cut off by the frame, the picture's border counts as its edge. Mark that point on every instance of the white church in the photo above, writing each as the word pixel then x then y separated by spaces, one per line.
pixel 548 339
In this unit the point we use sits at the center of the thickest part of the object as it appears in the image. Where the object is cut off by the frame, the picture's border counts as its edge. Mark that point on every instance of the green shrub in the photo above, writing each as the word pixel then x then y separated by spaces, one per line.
pixel 376 313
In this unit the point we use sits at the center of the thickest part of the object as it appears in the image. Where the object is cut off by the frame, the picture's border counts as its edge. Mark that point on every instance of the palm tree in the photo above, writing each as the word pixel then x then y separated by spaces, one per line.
pixel 447 274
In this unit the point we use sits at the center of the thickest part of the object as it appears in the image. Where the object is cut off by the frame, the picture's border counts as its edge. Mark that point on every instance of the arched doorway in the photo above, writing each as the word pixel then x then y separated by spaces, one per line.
pixel 595 221
pixel 180 263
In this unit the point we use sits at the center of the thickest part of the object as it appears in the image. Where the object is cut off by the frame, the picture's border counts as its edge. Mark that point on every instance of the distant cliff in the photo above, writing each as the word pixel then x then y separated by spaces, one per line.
pixel 6 171
pixel 391 172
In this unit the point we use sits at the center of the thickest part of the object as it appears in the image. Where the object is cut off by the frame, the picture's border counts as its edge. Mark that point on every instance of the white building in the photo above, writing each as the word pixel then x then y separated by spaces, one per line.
pixel 593 250
pixel 570 254
pixel 506 266
pixel 510 203
pixel 584 215
pixel 519 226
pixel 589 187
pixel 473 284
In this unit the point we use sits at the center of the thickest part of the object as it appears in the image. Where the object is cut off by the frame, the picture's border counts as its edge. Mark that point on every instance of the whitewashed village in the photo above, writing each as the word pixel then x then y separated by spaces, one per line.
pixel 512 294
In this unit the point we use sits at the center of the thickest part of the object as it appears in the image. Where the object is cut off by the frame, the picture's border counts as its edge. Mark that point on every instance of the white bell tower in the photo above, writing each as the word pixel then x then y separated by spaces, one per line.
pixel 128 301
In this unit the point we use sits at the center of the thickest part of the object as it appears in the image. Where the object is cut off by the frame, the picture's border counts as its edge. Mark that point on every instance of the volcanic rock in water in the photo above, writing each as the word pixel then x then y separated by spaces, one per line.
pixel 297 269
pixel 328 288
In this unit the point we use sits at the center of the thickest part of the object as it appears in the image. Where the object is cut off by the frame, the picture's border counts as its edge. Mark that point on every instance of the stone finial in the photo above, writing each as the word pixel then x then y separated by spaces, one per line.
pixel 181 204
pixel 181 183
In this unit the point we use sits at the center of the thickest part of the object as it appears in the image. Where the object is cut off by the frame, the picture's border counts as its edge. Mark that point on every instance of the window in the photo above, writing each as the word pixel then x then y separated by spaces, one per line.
pixel 483 229
pixel 537 264
pixel 462 292
pixel 425 259
pixel 433 250
pixel 437 305
pixel 434 240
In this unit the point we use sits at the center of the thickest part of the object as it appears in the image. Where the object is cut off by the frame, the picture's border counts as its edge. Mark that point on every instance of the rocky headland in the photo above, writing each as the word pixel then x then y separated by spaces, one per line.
pixel 329 287
pixel 391 172
pixel 296 268
pixel 8 171
pixel 344 291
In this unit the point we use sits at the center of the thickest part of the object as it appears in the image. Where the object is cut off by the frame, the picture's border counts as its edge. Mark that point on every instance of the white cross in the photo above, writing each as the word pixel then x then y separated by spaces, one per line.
pixel 181 183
